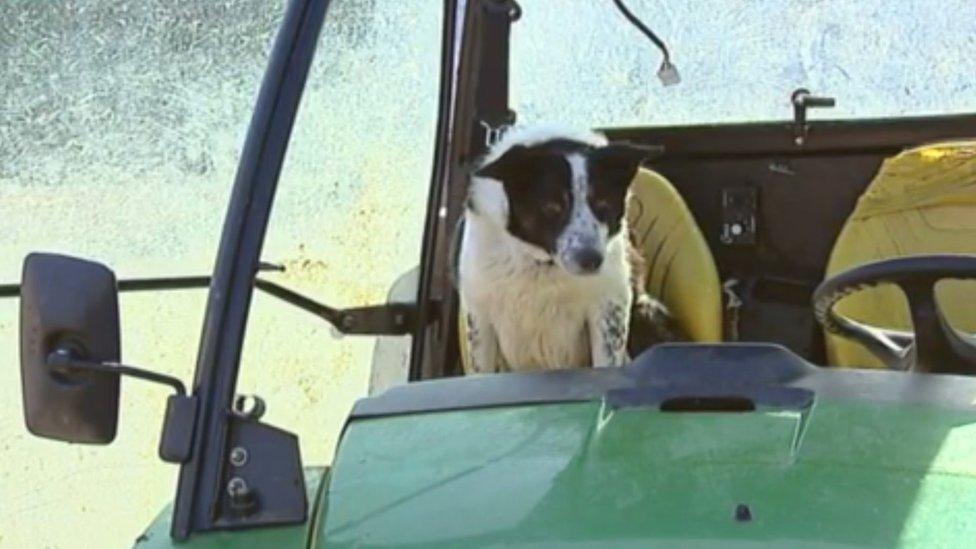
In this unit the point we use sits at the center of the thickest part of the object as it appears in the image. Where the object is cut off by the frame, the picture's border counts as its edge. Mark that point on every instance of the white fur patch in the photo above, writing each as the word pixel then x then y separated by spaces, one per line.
pixel 533 135
pixel 583 229
pixel 539 313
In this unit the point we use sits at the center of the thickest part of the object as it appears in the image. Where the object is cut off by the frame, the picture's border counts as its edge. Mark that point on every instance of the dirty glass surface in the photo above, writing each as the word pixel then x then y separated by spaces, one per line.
pixel 120 129
pixel 120 124
pixel 349 213
pixel 581 62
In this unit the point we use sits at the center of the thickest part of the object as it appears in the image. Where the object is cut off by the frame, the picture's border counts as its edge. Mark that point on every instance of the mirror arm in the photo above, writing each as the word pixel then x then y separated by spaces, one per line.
pixel 179 420
pixel 63 358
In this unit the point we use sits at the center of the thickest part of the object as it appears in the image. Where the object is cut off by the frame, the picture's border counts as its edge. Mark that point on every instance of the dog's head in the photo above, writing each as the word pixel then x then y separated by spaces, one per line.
pixel 562 196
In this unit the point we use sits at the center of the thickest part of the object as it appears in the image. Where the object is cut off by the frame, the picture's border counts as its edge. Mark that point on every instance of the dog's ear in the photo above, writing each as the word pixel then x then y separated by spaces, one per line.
pixel 518 160
pixel 624 158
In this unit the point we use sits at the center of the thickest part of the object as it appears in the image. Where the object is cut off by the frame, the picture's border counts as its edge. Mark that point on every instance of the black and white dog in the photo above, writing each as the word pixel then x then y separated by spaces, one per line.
pixel 547 272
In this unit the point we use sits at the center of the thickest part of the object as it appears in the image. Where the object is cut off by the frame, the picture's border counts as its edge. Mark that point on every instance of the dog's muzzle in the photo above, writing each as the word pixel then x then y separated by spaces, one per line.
pixel 583 261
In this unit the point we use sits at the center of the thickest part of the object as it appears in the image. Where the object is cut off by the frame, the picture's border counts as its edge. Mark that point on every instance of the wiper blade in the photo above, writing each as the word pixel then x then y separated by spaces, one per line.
pixel 386 319
pixel 153 283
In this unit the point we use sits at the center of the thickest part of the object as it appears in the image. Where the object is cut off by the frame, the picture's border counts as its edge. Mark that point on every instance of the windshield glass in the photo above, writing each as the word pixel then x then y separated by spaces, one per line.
pixel 581 62
pixel 121 125
pixel 120 128
pixel 349 211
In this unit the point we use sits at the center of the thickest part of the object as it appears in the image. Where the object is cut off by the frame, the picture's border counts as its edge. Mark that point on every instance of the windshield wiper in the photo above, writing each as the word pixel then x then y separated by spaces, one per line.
pixel 668 73
pixel 386 319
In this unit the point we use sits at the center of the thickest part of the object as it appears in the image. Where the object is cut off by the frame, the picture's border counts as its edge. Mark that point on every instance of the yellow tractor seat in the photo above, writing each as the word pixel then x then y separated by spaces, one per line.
pixel 682 272
pixel 922 201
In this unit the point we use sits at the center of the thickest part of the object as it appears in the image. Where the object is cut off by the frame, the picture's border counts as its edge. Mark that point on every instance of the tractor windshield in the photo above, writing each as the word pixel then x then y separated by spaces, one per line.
pixel 581 62
pixel 121 129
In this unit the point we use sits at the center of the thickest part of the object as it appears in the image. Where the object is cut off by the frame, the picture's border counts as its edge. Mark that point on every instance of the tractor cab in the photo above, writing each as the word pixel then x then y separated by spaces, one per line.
pixel 742 222
pixel 810 224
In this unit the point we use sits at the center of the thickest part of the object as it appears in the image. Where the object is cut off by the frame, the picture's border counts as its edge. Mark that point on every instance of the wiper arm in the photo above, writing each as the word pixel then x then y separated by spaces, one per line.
pixel 386 319
pixel 151 284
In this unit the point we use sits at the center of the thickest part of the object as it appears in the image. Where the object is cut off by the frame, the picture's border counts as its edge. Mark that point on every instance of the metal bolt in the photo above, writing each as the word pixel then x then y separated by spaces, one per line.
pixel 238 456
pixel 348 321
pixel 743 513
pixel 243 500
pixel 237 488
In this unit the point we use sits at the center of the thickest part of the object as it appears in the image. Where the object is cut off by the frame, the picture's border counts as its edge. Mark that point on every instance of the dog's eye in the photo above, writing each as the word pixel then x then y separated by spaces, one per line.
pixel 552 209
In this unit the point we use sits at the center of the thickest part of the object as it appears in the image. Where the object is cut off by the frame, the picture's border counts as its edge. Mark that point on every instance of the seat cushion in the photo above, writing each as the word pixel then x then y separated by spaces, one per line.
pixel 922 201
pixel 681 270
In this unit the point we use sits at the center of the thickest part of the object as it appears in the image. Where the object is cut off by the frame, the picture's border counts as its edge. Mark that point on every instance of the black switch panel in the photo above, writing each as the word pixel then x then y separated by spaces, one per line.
pixel 739 207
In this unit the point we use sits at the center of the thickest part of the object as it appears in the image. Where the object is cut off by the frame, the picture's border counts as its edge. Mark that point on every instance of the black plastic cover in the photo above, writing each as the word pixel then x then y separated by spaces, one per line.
pixel 765 375
pixel 265 484
pixel 176 442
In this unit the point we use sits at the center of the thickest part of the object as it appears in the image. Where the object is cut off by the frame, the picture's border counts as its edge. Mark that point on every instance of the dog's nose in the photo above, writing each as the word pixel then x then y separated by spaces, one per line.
pixel 588 259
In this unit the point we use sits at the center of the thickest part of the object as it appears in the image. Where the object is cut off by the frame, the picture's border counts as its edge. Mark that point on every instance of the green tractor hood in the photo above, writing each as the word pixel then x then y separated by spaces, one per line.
pixel 692 445
pixel 826 458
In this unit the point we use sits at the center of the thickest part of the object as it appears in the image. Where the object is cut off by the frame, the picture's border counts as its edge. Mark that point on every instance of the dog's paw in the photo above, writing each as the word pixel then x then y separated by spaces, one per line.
pixel 651 323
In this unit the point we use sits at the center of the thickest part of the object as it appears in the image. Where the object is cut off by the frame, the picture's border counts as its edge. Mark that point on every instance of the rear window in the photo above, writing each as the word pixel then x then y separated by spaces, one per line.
pixel 581 62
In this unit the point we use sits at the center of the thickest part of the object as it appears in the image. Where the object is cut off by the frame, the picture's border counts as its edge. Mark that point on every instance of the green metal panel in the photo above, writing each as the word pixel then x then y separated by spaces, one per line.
pixel 157 535
pixel 846 473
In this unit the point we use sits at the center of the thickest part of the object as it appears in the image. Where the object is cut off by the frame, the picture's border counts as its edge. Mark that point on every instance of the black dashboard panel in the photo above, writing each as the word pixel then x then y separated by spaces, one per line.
pixel 803 197
pixel 768 375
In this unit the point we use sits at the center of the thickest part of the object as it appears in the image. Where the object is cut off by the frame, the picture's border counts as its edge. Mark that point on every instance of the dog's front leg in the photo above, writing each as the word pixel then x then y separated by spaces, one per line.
pixel 482 345
pixel 608 334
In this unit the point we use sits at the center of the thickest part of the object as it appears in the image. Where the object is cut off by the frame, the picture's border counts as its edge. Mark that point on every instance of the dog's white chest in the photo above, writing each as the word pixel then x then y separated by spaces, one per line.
pixel 538 327
pixel 539 316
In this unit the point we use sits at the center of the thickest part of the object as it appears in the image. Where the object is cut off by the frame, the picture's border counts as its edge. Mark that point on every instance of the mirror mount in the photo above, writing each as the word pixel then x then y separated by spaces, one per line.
pixel 176 441
pixel 70 358
pixel 65 360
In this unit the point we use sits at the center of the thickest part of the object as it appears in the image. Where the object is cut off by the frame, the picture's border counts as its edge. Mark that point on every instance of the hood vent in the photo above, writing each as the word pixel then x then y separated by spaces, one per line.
pixel 708 404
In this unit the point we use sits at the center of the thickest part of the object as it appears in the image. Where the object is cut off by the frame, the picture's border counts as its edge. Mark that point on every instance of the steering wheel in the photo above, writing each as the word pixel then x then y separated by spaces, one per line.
pixel 935 346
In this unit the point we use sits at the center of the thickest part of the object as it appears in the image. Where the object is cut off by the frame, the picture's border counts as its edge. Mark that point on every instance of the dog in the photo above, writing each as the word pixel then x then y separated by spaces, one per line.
pixel 547 272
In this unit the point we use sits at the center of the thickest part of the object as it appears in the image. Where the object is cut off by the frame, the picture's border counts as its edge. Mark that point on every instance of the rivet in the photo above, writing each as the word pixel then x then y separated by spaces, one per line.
pixel 238 456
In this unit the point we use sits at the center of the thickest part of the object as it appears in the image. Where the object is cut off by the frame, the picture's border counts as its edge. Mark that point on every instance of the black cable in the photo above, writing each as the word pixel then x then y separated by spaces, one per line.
pixel 644 29
pixel 668 73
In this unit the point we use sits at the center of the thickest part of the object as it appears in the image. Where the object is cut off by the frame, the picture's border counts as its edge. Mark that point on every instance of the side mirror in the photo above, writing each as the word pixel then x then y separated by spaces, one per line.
pixel 69 309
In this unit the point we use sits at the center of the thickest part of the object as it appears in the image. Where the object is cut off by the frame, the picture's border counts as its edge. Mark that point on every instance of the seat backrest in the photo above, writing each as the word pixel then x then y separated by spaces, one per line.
pixel 922 201
pixel 681 269
pixel 682 272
